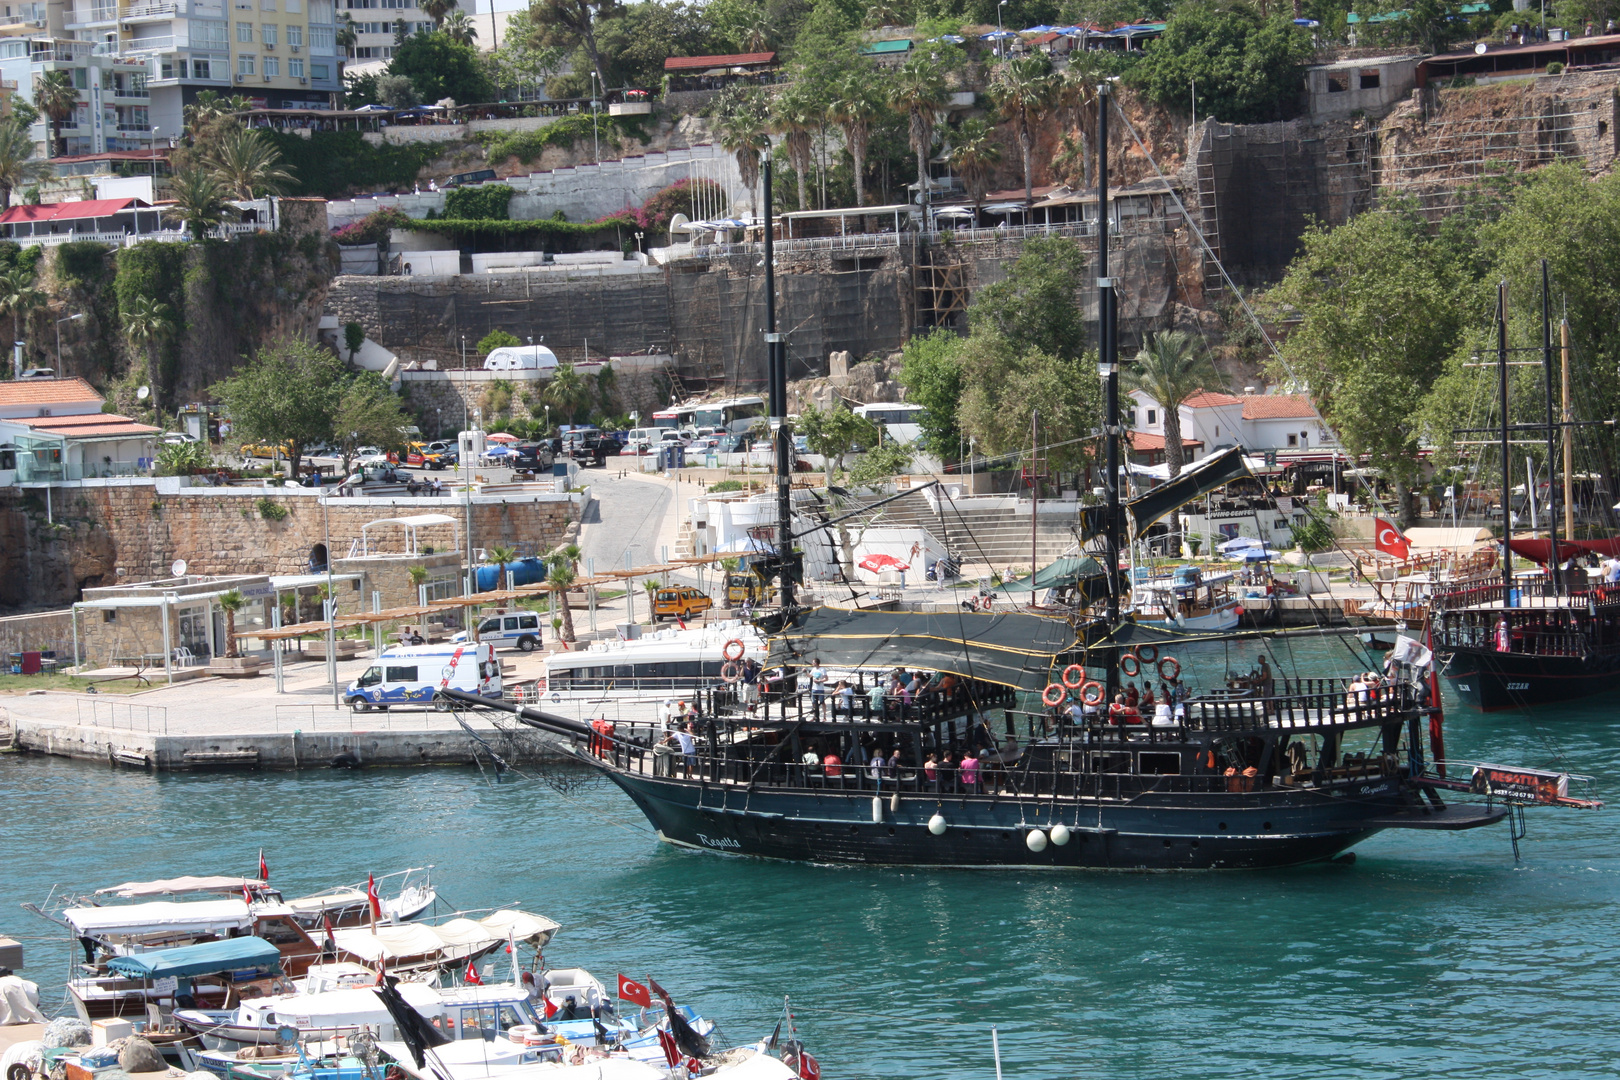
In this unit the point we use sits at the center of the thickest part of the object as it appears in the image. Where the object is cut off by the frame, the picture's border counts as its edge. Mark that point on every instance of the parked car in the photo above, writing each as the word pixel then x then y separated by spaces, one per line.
pixel 176 438
pixel 532 455
pixel 267 450
pixel 595 449
pixel 511 630
pixel 679 602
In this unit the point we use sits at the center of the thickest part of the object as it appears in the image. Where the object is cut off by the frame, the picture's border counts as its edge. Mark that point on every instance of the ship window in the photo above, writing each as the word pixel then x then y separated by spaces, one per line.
pixel 1103 762
pixel 1159 763
pixel 278 931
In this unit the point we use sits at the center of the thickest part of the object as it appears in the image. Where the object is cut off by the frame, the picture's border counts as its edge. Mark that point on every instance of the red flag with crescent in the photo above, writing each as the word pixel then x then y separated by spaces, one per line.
pixel 264 868
pixel 372 898
pixel 472 977
pixel 1390 540
pixel 630 990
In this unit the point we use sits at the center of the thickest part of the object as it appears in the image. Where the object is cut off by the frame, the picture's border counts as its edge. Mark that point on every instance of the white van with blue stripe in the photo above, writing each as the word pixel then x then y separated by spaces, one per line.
pixel 417 675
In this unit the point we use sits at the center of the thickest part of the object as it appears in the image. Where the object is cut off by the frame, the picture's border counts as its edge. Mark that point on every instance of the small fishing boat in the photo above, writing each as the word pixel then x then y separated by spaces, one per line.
pixel 349 905
pixel 1189 599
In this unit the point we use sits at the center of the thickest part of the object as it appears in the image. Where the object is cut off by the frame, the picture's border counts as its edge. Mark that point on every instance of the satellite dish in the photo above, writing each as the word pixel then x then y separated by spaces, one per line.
pixel 179 568
pixel 1480 48
pixel 142 393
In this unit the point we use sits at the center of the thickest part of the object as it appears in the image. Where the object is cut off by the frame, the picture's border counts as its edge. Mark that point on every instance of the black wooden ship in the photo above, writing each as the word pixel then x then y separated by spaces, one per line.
pixel 1011 758
pixel 1518 642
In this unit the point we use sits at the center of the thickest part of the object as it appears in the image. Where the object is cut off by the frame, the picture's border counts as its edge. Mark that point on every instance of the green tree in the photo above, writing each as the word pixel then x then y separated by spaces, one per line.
pixel 882 463
pixel 436 10
pixel 231 602
pixel 354 336
pixel 288 391
pixel 397 91
pixel 366 413
pixel 440 68
pixel 973 154
pixel 18 166
pixel 567 393
pixel 184 459
pixel 570 24
pixel 17 298
pixel 1037 305
pixel 743 119
pixel 1379 317
pixel 502 555
pixel 1025 91
pixel 931 371
pixel 199 202
pixel 835 433
pixel 496 339
pixel 459 28
pixel 861 101
pixel 1171 368
pixel 148 323
pixel 1005 380
pixel 794 115
pixel 918 90
pixel 562 574
pixel 57 97
pixel 247 166
pixel 1247 66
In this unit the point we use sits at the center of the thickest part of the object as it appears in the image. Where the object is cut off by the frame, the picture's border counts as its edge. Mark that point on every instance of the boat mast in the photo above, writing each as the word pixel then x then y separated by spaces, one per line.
pixel 1553 572
pixel 1108 367
pixel 1569 464
pixel 776 378
pixel 1507 460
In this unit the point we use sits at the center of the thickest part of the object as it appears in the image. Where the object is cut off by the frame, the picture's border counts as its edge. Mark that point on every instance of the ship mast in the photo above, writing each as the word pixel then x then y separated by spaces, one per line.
pixel 1108 368
pixel 1553 573
pixel 1507 459
pixel 776 379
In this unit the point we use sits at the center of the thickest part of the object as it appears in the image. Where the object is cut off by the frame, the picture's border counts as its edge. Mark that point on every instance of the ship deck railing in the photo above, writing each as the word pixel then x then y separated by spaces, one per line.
pixel 1526 594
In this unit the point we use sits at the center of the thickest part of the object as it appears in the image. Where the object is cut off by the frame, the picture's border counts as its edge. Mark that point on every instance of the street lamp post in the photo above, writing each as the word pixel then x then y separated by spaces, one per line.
pixel 998 25
pixel 596 103
pixel 61 370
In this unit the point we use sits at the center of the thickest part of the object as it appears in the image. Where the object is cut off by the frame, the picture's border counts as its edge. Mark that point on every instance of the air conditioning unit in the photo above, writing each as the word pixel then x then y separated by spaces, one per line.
pixel 240 78
pixel 302 81
pixel 267 76
pixel 270 45
pixel 294 48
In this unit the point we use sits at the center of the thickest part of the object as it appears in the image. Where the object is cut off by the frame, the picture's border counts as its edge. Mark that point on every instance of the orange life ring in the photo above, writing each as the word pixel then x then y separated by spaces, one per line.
pixel 1086 696
pixel 1053 695
pixel 730 672
pixel 1074 676
pixel 1130 666
pixel 738 654
pixel 1175 669
pixel 1147 653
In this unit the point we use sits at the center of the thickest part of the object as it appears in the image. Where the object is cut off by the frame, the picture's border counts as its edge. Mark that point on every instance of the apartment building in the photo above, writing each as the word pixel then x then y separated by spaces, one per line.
pixel 138 63
pixel 375 23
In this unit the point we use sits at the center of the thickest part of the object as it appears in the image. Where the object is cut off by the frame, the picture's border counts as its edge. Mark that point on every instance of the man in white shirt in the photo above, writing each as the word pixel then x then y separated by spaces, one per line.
pixel 818 687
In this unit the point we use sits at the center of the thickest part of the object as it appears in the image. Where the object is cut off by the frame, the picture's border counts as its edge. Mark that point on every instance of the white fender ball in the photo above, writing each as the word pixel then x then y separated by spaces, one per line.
pixel 1060 834
pixel 1035 840
pixel 936 825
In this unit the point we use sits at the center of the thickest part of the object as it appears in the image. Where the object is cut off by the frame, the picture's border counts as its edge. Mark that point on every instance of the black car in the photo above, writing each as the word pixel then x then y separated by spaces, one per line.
pixel 595 448
pixel 534 456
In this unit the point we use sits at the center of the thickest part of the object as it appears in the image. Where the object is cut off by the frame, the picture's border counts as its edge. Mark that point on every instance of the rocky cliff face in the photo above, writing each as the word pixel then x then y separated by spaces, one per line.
pixel 44 564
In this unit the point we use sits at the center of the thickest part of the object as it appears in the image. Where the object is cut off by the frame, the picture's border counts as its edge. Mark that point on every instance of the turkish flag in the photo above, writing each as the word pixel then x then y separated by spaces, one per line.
pixel 372 898
pixel 551 1006
pixel 630 990
pixel 264 867
pixel 1390 540
pixel 472 977
pixel 666 1042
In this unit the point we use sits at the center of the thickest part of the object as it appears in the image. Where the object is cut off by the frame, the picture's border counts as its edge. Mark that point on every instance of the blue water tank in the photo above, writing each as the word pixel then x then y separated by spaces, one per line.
pixel 528 571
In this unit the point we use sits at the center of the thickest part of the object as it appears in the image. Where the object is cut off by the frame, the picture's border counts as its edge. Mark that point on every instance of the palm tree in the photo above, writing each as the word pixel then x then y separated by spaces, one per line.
pixel 147 322
pixel 857 107
pixel 562 575
pixel 436 10
pixel 501 556
pixel 18 166
pixel 1170 369
pixel 18 297
pixel 199 201
pixel 418 575
pixel 795 116
pixel 742 134
pixel 211 106
pixel 754 23
pixel 885 13
pixel 56 97
pixel 231 602
pixel 1024 90
pixel 247 165
pixel 974 155
pixel 567 392
pixel 459 28
pixel 918 91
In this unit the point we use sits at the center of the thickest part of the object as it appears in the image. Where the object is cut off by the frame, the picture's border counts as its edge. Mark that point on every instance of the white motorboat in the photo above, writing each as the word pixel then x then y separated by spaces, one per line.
pixel 348 905
pixel 1188 599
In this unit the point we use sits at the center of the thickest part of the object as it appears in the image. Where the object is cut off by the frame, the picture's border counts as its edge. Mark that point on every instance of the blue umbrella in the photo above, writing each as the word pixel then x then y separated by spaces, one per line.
pixel 1041 29
pixel 997 35
pixel 497 451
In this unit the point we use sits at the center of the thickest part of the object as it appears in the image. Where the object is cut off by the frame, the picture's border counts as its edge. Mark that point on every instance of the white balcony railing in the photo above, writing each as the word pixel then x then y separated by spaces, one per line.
pixel 149 44
pixel 154 11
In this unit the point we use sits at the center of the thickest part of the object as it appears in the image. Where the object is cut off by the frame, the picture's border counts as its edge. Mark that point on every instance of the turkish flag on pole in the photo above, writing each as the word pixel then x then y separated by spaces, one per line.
pixel 372 898
pixel 264 868
pixel 630 990
pixel 472 977
pixel 1389 539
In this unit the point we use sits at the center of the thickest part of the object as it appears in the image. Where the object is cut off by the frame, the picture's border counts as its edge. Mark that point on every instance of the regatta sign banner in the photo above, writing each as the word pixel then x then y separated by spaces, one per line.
pixel 1520 785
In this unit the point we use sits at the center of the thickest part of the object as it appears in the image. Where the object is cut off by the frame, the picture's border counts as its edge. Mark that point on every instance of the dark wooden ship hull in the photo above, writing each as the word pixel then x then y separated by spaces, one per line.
pixel 1489 680
pixel 1170 831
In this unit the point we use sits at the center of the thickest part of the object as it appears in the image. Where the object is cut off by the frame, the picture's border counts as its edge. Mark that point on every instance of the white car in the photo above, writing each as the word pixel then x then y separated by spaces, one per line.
pixel 176 438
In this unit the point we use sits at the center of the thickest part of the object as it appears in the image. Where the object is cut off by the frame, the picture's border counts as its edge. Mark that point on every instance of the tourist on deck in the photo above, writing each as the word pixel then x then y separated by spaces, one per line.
pixel 750 684
pixel 970 770
pixel 1146 701
pixel 1133 697
pixel 845 703
pixel 663 751
pixel 930 768
pixel 874 700
pixel 818 687
pixel 877 766
pixel 832 766
pixel 1356 695
pixel 688 744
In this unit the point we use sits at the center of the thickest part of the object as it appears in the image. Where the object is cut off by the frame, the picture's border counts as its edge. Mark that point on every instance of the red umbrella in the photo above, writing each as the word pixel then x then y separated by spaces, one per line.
pixel 879 563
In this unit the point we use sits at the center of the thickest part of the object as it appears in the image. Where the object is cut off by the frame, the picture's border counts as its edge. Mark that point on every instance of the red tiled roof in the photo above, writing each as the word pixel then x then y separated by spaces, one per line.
pixel 1205 399
pixel 684 63
pixel 72 211
pixel 91 426
pixel 1146 442
pixel 1277 407
pixel 46 392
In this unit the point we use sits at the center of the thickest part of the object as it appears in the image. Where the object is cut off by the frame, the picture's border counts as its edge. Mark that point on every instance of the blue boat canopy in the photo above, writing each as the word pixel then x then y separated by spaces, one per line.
pixel 211 957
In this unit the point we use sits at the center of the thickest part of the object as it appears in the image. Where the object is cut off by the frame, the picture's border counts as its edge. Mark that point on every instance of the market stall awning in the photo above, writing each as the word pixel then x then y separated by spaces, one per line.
pixel 1010 648
pixel 211 957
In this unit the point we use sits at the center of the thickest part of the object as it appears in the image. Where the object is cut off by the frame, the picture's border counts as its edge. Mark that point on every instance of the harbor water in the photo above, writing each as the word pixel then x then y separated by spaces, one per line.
pixel 1434 953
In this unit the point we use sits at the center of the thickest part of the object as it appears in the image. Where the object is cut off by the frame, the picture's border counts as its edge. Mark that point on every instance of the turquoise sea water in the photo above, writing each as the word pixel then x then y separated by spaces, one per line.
pixel 1435 954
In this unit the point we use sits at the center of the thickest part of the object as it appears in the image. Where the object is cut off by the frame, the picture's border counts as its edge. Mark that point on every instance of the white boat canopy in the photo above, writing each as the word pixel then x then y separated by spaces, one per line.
pixel 206 916
pixel 168 886
pixel 450 940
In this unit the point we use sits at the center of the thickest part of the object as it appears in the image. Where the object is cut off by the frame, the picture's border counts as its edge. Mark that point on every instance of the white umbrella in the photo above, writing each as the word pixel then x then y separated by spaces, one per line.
pixel 1239 544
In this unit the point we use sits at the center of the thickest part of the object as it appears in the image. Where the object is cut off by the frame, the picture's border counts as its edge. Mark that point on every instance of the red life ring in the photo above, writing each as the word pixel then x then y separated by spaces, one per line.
pixel 1086 696
pixel 738 654
pixel 809 1068
pixel 1130 666
pixel 1147 653
pixel 1175 669
pixel 730 672
pixel 1053 695
pixel 1074 676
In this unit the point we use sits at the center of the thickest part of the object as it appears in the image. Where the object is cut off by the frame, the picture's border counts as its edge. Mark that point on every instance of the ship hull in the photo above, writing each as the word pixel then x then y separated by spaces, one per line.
pixel 1490 680
pixel 1256 830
